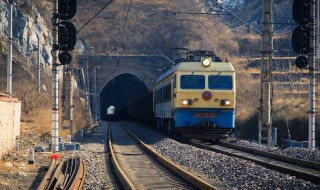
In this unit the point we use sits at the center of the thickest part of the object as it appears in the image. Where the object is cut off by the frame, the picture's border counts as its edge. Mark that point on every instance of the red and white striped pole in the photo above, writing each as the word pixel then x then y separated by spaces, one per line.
pixel 55 79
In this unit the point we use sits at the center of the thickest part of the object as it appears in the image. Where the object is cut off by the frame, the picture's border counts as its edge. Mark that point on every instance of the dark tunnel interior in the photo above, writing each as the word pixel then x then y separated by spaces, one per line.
pixel 118 92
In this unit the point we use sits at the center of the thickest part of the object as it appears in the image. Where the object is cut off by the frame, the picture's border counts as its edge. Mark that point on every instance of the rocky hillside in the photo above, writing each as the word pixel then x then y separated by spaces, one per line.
pixel 250 12
pixel 28 24
pixel 144 27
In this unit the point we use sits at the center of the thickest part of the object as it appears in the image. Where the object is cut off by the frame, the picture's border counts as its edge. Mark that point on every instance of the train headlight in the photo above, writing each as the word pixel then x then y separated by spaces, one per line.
pixel 186 102
pixel 206 62
pixel 225 102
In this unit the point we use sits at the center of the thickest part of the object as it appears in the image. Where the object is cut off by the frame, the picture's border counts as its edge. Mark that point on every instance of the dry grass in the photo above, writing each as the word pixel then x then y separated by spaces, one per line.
pixel 32 128
pixel 150 26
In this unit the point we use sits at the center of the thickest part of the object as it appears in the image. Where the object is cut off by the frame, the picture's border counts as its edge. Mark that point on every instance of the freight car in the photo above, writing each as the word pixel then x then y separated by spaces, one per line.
pixel 141 109
pixel 196 98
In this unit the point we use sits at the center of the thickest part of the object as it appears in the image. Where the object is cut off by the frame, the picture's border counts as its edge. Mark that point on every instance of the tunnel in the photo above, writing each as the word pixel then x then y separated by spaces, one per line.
pixel 118 92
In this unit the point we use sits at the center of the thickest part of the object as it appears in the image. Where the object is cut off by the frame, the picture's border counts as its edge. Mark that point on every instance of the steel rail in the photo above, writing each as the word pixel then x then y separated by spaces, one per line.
pixel 299 168
pixel 56 173
pixel 304 163
pixel 49 175
pixel 68 174
pixel 306 170
pixel 126 183
pixel 77 174
pixel 195 181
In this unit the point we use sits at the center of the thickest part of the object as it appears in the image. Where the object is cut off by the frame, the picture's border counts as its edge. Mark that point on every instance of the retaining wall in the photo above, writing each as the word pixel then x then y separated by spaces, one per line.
pixel 10 113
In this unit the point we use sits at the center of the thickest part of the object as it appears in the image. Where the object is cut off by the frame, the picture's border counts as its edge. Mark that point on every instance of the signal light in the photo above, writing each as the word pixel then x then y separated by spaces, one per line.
pixel 301 62
pixel 67 36
pixel 301 11
pixel 67 33
pixel 67 9
pixel 301 39
pixel 65 58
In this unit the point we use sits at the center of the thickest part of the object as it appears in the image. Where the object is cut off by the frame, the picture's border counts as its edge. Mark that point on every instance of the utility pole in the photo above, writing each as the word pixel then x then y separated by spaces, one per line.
pixel 68 78
pixel 87 99
pixel 318 43
pixel 9 59
pixel 265 122
pixel 55 80
pixel 98 104
pixel 38 63
pixel 313 99
pixel 91 75
pixel 95 95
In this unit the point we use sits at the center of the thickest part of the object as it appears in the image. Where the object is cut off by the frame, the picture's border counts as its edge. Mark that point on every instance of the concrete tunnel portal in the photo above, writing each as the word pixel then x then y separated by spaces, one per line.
pixel 118 92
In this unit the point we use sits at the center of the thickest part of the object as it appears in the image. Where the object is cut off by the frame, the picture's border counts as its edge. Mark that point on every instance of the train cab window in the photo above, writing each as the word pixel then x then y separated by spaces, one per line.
pixel 192 82
pixel 220 82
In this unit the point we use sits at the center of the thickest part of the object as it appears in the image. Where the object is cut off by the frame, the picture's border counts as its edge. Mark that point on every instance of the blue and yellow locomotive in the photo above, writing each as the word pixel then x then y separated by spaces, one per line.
pixel 197 97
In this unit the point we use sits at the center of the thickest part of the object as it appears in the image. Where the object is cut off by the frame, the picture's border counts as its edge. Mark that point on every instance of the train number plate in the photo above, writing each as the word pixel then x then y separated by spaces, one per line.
pixel 205 115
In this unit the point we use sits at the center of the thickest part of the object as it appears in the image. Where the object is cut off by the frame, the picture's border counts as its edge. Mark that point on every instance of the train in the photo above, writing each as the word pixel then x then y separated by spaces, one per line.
pixel 195 99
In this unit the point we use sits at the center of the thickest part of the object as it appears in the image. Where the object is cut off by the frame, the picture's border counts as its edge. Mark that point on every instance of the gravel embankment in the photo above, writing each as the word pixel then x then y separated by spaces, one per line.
pixel 234 172
pixel 299 153
pixel 96 160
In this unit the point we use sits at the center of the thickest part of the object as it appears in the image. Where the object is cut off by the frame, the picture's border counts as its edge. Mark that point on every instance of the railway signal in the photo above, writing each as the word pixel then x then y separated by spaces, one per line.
pixel 67 36
pixel 65 58
pixel 301 10
pixel 67 31
pixel 67 9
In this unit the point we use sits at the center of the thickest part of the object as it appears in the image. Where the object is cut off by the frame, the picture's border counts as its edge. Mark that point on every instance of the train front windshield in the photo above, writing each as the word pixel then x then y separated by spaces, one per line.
pixel 192 82
pixel 220 82
pixel 215 82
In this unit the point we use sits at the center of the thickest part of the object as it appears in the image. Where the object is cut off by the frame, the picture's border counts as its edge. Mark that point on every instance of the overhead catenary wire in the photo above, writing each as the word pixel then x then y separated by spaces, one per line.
pixel 124 24
pixel 121 39
pixel 166 57
pixel 94 16
pixel 235 16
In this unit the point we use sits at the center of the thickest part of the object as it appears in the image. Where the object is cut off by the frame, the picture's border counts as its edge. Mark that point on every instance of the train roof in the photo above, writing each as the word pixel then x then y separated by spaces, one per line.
pixel 197 66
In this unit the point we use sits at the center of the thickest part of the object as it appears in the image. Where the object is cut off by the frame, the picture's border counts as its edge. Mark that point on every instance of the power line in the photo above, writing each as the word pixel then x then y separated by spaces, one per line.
pixel 94 16
pixel 124 23
pixel 235 16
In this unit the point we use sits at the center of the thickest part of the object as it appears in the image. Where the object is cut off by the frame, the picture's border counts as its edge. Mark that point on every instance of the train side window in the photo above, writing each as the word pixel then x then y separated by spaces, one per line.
pixel 192 82
pixel 220 82
pixel 158 96
pixel 166 93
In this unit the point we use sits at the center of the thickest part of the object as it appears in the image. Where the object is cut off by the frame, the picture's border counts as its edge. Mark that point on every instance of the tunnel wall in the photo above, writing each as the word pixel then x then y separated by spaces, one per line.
pixel 10 112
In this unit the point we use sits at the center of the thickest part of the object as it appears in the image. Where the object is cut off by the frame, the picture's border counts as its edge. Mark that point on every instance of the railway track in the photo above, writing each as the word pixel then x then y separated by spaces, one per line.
pixel 306 170
pixel 138 170
pixel 64 174
pixel 302 169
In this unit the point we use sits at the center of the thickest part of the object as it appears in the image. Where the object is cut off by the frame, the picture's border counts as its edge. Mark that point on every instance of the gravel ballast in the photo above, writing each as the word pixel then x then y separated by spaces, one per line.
pixel 234 172
pixel 294 152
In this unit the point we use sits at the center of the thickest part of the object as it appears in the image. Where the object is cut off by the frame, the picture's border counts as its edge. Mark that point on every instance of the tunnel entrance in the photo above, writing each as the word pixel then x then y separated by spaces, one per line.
pixel 118 92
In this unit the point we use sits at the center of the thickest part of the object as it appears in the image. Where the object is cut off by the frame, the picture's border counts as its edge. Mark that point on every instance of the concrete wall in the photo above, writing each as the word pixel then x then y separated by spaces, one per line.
pixel 10 112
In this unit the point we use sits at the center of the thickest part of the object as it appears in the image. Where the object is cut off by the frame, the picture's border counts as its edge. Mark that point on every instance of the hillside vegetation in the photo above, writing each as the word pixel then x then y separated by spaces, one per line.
pixel 142 27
